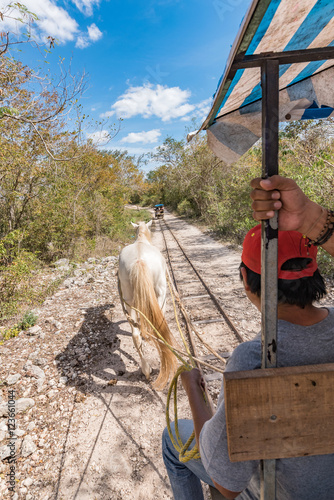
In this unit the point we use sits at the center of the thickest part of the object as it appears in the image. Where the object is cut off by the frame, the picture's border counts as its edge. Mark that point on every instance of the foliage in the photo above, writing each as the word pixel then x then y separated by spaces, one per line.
pixel 325 262
pixel 185 208
pixel 193 181
pixel 29 319
pixel 46 208
pixel 60 195
pixel 127 233
pixel 9 333
pixel 16 270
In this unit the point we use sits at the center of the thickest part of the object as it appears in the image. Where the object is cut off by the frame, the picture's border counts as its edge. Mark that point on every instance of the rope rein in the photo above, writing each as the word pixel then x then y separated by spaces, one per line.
pixel 184 454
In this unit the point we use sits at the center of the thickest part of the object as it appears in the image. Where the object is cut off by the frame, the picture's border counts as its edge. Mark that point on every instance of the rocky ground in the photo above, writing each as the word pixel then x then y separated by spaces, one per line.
pixel 88 424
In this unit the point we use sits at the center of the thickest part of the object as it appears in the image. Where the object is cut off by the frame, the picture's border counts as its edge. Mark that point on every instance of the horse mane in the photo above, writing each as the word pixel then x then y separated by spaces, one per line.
pixel 143 230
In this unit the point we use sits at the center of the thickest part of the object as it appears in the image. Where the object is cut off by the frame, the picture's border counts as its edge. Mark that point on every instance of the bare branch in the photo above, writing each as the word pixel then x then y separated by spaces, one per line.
pixel 3 51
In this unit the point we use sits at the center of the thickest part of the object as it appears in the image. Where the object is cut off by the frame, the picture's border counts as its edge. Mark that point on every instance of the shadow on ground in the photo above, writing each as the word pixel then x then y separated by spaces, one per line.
pixel 104 361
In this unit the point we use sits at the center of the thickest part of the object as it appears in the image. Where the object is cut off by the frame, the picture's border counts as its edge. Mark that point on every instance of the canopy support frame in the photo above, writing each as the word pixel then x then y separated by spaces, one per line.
pixel 287 57
pixel 256 60
pixel 270 124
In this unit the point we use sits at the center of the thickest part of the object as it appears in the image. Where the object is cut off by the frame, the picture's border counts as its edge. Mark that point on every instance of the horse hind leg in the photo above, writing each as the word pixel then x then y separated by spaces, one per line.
pixel 137 340
pixel 161 297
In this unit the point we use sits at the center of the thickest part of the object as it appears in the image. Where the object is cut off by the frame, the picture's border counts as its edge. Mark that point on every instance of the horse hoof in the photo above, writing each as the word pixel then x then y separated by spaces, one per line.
pixel 146 369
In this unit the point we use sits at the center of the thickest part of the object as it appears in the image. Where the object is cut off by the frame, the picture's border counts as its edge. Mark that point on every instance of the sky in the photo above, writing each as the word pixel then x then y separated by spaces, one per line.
pixel 153 63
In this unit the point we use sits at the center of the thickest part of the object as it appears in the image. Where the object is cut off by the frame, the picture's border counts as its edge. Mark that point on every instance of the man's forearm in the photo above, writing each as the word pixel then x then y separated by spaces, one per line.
pixel 315 222
pixel 199 409
pixel 202 413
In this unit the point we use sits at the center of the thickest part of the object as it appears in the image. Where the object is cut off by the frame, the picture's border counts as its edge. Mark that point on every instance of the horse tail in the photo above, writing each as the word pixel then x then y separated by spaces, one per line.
pixel 145 300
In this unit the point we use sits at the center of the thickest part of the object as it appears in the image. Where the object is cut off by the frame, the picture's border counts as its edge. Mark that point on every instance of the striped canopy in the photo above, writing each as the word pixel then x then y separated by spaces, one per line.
pixel 306 89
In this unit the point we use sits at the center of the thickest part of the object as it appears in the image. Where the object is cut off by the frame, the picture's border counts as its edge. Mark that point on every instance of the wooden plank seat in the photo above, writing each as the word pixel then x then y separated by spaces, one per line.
pixel 280 412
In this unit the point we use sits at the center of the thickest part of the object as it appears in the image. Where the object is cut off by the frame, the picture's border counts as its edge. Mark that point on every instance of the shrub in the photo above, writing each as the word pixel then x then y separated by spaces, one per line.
pixel 185 208
pixel 16 269
pixel 29 319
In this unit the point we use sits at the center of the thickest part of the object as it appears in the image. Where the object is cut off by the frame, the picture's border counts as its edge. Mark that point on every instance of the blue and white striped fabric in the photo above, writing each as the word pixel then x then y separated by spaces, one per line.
pixel 306 89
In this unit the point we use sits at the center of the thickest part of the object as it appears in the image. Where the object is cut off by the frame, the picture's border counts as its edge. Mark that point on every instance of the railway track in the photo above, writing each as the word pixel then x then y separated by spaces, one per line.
pixel 202 311
pixel 203 316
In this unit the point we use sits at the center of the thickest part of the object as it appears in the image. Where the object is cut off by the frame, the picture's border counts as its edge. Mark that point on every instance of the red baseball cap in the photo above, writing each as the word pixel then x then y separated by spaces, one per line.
pixel 291 244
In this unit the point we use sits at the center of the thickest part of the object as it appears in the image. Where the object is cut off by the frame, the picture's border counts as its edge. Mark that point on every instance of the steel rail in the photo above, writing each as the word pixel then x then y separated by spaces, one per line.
pixel 186 318
pixel 210 292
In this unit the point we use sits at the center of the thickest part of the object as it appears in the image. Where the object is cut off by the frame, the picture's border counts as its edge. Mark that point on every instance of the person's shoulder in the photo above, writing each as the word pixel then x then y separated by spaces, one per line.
pixel 247 356
pixel 329 318
pixel 328 322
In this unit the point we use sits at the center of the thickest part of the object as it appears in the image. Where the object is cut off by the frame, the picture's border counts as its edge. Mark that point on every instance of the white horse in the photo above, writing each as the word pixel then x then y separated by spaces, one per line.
pixel 142 284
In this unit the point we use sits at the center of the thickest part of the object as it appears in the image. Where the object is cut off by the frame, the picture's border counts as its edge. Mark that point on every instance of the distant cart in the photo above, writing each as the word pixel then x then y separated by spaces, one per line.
pixel 159 211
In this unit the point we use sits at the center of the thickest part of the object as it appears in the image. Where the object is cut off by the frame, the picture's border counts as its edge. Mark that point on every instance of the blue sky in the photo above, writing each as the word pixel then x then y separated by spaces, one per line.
pixel 155 64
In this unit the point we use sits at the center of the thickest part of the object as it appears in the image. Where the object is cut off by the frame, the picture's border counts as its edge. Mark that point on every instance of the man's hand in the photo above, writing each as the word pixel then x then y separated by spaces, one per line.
pixel 284 195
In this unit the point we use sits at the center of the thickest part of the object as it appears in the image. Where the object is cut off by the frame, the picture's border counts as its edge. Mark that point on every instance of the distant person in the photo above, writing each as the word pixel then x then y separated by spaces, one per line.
pixel 305 336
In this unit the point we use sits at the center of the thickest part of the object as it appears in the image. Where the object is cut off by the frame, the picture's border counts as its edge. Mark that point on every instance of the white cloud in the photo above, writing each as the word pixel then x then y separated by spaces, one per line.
pixel 145 137
pixel 152 100
pixel 204 107
pixel 82 42
pixel 201 110
pixel 52 20
pixel 94 33
pixel 86 6
pixel 107 114
pixel 99 137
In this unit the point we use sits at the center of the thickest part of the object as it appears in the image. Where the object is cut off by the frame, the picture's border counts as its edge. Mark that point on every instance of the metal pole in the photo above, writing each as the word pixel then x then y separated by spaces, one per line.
pixel 270 106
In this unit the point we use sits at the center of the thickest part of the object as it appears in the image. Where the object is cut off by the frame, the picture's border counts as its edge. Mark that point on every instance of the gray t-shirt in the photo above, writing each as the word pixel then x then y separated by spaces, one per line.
pixel 304 478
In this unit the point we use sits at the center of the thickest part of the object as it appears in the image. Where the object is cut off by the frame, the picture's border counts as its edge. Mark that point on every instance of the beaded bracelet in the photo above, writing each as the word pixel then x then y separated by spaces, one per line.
pixel 327 230
pixel 315 223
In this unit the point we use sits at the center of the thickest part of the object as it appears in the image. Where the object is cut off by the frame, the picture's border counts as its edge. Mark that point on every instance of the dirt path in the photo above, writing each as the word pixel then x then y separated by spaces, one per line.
pixel 88 423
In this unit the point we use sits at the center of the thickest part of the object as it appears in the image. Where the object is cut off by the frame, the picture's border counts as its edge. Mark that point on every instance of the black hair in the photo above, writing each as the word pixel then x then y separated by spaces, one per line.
pixel 300 292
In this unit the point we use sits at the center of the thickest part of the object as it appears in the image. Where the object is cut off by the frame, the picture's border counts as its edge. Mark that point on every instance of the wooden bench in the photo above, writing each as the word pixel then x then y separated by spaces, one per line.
pixel 280 412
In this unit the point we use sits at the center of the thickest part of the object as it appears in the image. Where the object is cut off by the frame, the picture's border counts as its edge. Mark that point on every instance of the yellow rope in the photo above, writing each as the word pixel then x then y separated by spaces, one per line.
pixel 208 347
pixel 177 321
pixel 184 454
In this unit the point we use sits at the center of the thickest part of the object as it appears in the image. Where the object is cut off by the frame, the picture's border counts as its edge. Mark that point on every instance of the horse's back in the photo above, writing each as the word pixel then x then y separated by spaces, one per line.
pixel 145 252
